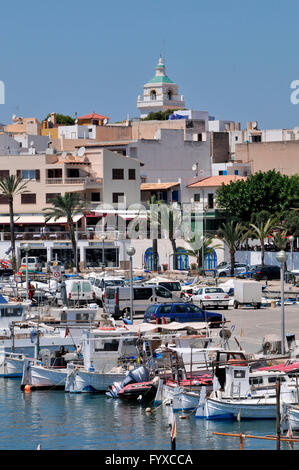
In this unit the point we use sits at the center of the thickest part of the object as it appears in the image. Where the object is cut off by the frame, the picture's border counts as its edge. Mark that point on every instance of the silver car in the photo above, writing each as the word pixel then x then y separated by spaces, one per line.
pixel 225 271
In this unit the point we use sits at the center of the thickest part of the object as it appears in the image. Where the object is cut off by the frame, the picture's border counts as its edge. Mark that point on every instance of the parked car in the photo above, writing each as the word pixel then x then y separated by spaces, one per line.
pixel 211 296
pixel 181 312
pixel 100 283
pixel 34 264
pixel 225 271
pixel 117 298
pixel 267 272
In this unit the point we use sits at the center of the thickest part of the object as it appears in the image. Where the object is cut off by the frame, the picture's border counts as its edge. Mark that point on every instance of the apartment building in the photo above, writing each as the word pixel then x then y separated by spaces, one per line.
pixel 103 178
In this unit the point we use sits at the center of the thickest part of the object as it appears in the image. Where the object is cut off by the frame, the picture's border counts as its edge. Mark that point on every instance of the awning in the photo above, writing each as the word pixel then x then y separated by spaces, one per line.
pixel 35 219
pixel 157 186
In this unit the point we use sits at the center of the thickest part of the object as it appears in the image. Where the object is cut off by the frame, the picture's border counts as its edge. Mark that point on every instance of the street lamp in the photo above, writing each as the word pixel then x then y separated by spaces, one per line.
pixel 281 257
pixel 103 258
pixel 26 248
pixel 291 240
pixel 131 252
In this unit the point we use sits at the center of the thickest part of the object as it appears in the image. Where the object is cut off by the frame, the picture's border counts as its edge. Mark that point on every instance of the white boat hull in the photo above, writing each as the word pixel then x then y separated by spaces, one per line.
pixel 164 394
pixel 247 408
pixel 11 367
pixel 293 417
pixel 39 377
pixel 183 400
pixel 82 381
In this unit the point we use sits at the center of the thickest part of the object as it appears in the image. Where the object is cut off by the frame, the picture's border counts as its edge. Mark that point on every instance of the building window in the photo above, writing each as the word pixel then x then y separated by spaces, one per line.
pixel 117 173
pixel 256 138
pixel 220 172
pixel 132 174
pixel 3 199
pixel 95 197
pixel 50 197
pixel 55 173
pixel 236 172
pixel 153 95
pixel 4 173
pixel 236 138
pixel 118 197
pixel 28 174
pixel 211 201
pixel 169 94
pixel 133 152
pixel 197 197
pixel 27 198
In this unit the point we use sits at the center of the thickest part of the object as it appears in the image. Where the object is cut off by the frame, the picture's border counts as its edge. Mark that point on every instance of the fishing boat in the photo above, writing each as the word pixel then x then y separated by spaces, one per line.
pixel 190 369
pixel 238 398
pixel 11 364
pixel 293 417
pixel 107 354
pixel 48 373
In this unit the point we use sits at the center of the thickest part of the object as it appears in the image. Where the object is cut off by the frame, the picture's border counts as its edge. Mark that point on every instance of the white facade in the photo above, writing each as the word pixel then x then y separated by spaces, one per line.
pixel 77 132
pixel 231 168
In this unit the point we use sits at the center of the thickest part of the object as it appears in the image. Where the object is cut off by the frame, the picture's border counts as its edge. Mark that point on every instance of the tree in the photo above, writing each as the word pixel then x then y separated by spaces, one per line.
pixel 197 249
pixel 67 206
pixel 158 116
pixel 63 119
pixel 263 191
pixel 262 231
pixel 11 186
pixel 232 234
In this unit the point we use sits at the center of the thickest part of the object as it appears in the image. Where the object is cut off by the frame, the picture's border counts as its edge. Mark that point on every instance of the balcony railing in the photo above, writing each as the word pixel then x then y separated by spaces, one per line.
pixel 81 180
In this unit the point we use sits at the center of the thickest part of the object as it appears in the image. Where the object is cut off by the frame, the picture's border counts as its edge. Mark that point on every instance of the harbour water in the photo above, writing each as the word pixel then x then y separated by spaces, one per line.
pixel 61 421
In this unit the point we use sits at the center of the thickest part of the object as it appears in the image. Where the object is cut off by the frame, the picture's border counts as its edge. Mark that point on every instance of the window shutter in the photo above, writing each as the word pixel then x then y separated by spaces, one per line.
pixel 37 175
pixel 18 173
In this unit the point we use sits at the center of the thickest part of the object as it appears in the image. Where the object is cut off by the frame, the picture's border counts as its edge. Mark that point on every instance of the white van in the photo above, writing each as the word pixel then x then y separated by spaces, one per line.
pixel 34 264
pixel 117 299
pixel 78 292
pixel 99 284
pixel 173 286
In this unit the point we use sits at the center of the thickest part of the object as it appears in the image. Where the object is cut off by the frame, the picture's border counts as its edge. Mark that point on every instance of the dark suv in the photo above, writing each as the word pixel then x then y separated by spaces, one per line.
pixel 181 312
pixel 265 272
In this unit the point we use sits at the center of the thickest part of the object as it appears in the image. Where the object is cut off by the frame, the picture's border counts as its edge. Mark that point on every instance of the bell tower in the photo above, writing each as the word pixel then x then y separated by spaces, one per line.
pixel 160 93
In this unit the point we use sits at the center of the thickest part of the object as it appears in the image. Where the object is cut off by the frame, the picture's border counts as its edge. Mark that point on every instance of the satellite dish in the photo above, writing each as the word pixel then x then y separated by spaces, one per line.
pixel 14 117
pixel 105 121
pixel 81 151
pixel 194 167
pixel 76 121
pixel 31 143
pixel 49 119
pixel 296 130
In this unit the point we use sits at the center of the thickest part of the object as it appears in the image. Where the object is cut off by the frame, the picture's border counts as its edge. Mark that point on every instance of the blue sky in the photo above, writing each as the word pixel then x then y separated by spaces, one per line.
pixel 234 59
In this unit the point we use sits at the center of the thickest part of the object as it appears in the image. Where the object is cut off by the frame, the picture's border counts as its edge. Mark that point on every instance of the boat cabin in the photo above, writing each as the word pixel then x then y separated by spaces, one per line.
pixel 103 348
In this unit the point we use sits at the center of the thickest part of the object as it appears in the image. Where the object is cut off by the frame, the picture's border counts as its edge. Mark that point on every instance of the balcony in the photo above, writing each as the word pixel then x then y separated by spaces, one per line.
pixel 84 181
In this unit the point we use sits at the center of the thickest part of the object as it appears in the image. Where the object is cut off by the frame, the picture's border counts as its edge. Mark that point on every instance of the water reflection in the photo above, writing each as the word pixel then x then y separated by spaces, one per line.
pixel 59 420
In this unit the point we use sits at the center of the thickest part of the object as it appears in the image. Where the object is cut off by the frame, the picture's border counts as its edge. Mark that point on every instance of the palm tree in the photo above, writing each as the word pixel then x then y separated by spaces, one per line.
pixel 11 186
pixel 232 234
pixel 67 206
pixel 261 231
pixel 206 247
